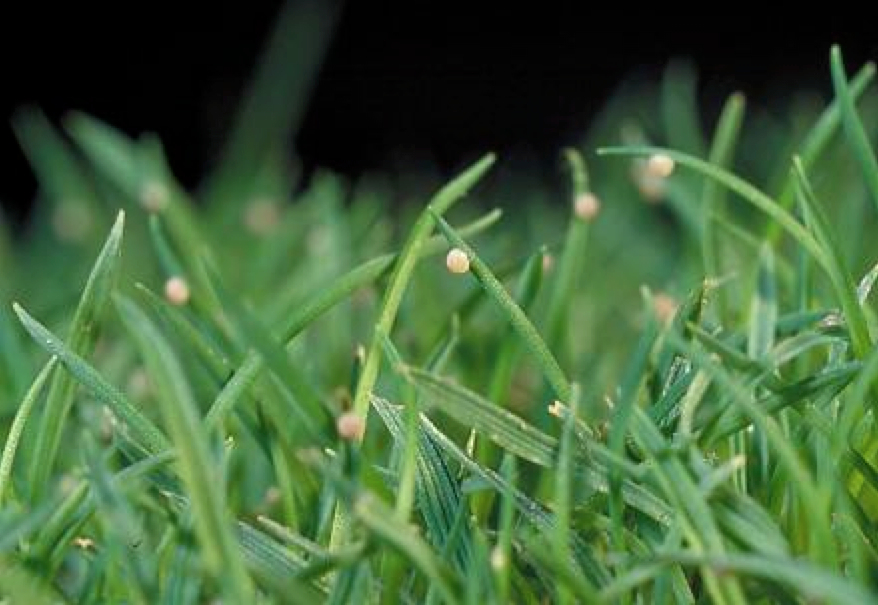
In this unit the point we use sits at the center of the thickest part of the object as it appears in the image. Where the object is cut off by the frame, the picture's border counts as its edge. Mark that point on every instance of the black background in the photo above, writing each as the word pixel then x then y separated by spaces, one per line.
pixel 441 81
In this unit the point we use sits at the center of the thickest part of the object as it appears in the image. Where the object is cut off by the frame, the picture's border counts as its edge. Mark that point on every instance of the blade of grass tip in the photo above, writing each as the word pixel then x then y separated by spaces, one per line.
pixel 841 278
pixel 722 153
pixel 294 321
pixel 178 408
pixel 853 126
pixel 58 171
pixel 865 285
pixel 680 107
pixel 143 431
pixel 276 100
pixel 520 323
pixel 82 335
pixel 818 139
pixel 18 424
pixel 569 273
pixel 403 268
pixel 745 190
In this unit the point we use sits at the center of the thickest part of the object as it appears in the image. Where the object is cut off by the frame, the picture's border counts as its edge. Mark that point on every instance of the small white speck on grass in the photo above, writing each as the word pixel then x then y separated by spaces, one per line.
pixel 177 291
pixel 556 409
pixel 457 261
pixel 660 165
pixel 154 196
pixel 498 559
pixel 350 426
pixel 548 262
pixel 587 206
pixel 83 543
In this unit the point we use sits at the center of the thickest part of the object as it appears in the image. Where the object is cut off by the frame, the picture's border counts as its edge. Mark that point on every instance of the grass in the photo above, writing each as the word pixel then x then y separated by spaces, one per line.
pixel 670 401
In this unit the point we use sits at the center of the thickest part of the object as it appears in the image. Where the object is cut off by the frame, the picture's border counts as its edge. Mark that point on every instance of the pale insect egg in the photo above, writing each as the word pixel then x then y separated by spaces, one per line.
pixel 660 165
pixel 177 291
pixel 586 206
pixel 350 426
pixel 457 261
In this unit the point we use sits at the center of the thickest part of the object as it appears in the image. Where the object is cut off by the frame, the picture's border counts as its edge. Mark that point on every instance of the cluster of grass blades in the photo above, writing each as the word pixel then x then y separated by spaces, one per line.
pixel 275 397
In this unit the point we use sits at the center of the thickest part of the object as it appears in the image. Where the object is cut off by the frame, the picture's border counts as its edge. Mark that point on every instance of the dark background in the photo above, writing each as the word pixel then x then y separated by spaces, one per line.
pixel 441 81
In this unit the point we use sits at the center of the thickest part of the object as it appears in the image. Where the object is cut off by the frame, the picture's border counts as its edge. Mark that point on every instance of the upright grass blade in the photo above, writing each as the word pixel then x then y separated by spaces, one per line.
pixel 516 317
pixel 853 127
pixel 402 271
pixel 81 338
pixel 570 265
pixel 818 139
pixel 199 474
pixel 839 275
pixel 722 152
pixel 275 102
pixel 18 424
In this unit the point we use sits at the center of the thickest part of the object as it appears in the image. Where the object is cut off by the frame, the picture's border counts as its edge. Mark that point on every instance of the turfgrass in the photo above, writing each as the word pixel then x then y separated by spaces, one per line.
pixel 672 400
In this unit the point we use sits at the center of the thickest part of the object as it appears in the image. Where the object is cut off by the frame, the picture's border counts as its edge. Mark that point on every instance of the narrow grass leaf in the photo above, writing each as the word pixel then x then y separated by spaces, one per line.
pixel 82 334
pixel 178 408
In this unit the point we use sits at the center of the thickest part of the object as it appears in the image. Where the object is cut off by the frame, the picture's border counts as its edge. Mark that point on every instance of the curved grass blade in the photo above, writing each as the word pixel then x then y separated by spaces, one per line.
pixel 143 431
pixel 82 335
pixel 736 184
pixel 18 424
pixel 521 324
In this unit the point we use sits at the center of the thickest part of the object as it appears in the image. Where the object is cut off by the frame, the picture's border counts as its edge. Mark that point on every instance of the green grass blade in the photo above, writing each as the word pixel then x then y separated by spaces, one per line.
pixel 511 433
pixel 517 318
pixel 722 153
pixel 143 430
pixel 853 126
pixel 81 338
pixel 18 424
pixel 199 474
pixel 748 192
